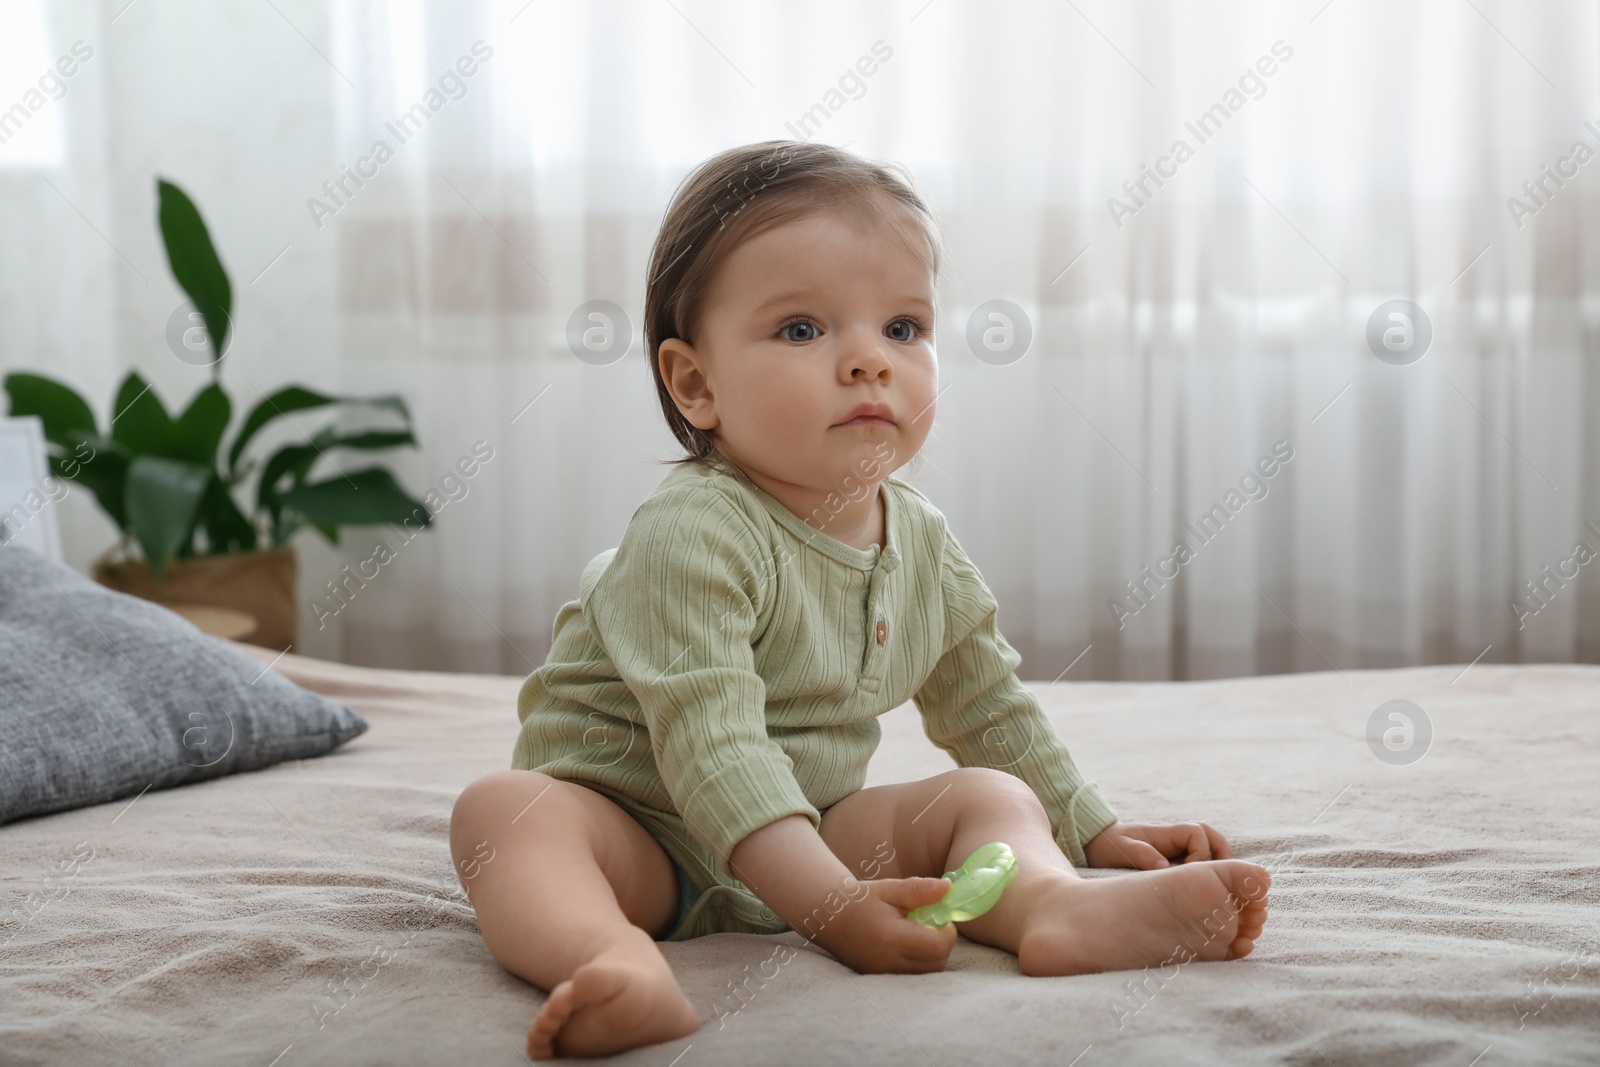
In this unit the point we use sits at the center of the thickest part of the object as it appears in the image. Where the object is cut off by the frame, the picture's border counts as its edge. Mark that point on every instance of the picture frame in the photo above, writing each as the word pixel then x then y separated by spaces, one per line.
pixel 29 492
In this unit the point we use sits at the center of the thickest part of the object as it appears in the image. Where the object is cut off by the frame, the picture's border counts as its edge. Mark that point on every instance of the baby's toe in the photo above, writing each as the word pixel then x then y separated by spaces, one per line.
pixel 558 1006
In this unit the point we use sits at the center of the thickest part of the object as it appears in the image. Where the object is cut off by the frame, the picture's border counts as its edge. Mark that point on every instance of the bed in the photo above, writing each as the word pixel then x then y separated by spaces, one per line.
pixel 1442 911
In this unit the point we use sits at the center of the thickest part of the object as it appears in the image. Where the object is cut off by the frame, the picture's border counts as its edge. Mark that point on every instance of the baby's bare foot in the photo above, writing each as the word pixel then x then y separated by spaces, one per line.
pixel 623 998
pixel 1213 910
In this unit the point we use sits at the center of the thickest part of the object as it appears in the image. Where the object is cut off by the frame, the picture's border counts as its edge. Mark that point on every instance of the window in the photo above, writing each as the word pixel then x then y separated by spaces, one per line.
pixel 32 133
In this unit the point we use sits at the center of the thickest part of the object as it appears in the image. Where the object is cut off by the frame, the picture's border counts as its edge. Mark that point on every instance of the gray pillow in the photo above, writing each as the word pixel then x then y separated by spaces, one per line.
pixel 103 695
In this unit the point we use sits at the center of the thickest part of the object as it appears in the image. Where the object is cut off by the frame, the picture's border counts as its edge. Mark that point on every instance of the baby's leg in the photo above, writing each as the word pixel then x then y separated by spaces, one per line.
pixel 1055 921
pixel 569 892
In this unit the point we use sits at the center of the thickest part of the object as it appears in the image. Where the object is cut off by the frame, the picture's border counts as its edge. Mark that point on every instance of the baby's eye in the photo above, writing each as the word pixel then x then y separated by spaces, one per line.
pixel 906 329
pixel 798 324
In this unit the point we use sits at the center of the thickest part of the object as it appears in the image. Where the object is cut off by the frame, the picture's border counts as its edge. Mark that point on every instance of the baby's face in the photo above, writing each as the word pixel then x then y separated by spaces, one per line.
pixel 800 326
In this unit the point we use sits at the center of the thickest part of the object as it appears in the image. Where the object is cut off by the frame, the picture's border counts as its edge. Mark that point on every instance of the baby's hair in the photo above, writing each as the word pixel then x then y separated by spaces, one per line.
pixel 735 196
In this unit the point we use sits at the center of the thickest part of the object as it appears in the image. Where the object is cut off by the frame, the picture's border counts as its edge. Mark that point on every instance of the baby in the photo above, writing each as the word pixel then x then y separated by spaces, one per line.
pixel 692 752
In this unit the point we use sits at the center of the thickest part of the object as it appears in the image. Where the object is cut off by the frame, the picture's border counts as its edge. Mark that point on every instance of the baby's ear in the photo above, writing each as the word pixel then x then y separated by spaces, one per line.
pixel 683 374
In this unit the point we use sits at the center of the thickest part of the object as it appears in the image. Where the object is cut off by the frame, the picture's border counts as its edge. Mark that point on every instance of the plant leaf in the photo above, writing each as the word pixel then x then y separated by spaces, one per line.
pixel 227 528
pixel 296 461
pixel 140 423
pixel 373 440
pixel 282 403
pixel 99 465
pixel 359 498
pixel 284 525
pixel 162 496
pixel 199 429
pixel 194 262
pixel 58 407
pixel 296 398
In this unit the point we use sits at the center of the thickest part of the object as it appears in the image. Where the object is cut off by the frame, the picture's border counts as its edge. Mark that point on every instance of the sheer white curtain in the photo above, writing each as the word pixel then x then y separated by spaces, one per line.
pixel 1339 156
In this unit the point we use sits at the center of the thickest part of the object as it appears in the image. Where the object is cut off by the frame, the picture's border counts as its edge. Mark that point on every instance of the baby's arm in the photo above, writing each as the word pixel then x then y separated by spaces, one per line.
pixel 974 707
pixel 788 865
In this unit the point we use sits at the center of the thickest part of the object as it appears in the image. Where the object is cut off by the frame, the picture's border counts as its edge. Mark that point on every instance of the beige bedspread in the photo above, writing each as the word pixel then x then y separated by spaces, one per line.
pixel 1439 913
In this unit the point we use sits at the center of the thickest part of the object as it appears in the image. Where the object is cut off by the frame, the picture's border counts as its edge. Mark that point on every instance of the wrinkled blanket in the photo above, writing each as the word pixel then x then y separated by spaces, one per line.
pixel 1440 910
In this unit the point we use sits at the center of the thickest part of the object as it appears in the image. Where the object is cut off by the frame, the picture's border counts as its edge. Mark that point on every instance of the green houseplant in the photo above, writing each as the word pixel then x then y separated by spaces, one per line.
pixel 172 487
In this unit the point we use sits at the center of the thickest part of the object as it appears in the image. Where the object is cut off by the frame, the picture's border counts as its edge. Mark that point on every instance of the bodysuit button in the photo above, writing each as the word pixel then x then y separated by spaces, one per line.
pixel 883 631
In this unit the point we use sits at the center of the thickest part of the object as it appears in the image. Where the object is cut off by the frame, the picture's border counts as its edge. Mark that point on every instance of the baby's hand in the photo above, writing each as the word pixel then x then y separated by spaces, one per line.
pixel 872 935
pixel 1148 845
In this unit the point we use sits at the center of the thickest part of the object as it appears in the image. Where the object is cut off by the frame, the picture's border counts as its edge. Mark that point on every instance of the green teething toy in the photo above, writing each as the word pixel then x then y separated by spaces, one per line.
pixel 975 887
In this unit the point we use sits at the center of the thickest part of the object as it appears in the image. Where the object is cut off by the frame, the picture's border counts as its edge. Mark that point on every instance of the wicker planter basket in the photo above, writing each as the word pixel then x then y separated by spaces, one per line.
pixel 260 584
